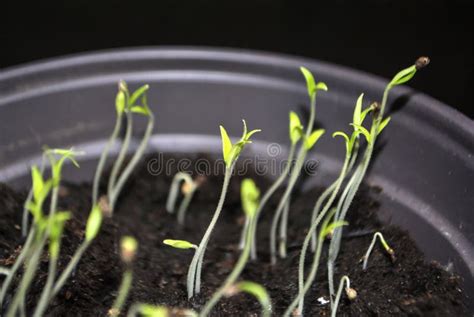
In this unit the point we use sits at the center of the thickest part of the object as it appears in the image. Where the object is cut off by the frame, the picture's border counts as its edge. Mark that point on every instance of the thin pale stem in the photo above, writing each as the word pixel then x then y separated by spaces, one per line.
pixel 283 229
pixel 123 291
pixel 103 159
pixel 45 295
pixel 174 190
pixel 69 268
pixel 268 194
pixel 119 161
pixel 194 272
pixel 19 261
pixel 372 244
pixel 183 207
pixel 295 173
pixel 346 280
pixel 24 220
pixel 234 275
pixel 133 162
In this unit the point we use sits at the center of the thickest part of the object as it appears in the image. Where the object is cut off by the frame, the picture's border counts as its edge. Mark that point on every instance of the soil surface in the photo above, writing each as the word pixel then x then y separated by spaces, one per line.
pixel 410 286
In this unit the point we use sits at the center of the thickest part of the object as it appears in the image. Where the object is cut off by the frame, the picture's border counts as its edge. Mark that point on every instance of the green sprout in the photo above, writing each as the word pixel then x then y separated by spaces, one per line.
pixel 327 228
pixel 44 227
pixel 230 153
pixel 309 137
pixel 295 132
pixel 385 245
pixel 350 292
pixel 125 105
pixel 250 196
pixel 352 186
pixel 147 310
pixel 257 291
pixel 180 244
pixel 128 250
pixel 188 189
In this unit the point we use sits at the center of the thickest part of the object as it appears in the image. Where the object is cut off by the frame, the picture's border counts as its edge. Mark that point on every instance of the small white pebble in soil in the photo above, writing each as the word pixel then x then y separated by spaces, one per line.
pixel 323 301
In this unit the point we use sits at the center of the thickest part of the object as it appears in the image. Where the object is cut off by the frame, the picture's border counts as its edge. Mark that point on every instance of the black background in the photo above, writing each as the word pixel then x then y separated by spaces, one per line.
pixel 377 36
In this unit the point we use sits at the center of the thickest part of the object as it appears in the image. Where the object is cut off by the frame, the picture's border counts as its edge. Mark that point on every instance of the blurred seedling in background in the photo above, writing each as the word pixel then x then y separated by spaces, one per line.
pixel 254 289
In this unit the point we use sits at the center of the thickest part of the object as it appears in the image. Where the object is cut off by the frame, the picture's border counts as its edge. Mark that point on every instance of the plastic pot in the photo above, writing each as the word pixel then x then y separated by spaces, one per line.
pixel 425 162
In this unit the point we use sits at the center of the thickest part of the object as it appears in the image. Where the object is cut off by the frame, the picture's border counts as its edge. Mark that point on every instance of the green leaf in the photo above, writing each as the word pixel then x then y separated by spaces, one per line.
pixel 383 124
pixel 93 223
pixel 37 182
pixel 310 83
pixel 403 76
pixel 144 110
pixel 226 146
pixel 313 138
pixel 321 86
pixel 250 195
pixel 328 229
pixel 357 110
pixel 296 129
pixel 120 102
pixel 365 112
pixel 58 222
pixel 346 138
pixel 129 243
pixel 138 93
pixel 256 290
pixel 363 130
pixel 180 244
pixel 153 311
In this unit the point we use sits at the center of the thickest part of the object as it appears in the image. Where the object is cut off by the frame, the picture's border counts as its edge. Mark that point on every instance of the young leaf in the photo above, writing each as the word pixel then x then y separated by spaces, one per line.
pixel 179 244
pixel 93 223
pixel 144 110
pixel 328 229
pixel 250 195
pixel 296 129
pixel 357 110
pixel 138 93
pixel 346 138
pixel 226 146
pixel 128 248
pixel 383 124
pixel 120 102
pixel 366 111
pixel 37 181
pixel 403 76
pixel 310 83
pixel 313 138
pixel 153 311
pixel 363 130
pixel 59 220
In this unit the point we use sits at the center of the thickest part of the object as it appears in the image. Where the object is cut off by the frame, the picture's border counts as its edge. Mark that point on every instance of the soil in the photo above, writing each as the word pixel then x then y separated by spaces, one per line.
pixel 410 286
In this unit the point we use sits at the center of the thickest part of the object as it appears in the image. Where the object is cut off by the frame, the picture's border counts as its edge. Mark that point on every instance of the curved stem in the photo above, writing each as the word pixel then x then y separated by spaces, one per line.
pixel 70 267
pixel 234 275
pixel 174 190
pixel 183 207
pixel 194 271
pixel 295 173
pixel 268 194
pixel 45 295
pixel 103 158
pixel 339 293
pixel 133 162
pixel 120 158
pixel 123 292
pixel 19 261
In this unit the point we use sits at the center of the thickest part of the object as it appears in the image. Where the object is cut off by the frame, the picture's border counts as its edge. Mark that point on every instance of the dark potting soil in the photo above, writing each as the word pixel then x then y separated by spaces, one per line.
pixel 410 286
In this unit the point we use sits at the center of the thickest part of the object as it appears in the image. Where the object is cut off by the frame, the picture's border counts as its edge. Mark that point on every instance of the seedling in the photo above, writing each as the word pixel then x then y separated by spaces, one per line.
pixel 310 138
pixel 180 244
pixel 187 189
pixel 128 250
pixel 385 245
pixel 44 227
pixel 295 133
pixel 250 196
pixel 257 291
pixel 378 124
pixel 350 292
pixel 125 105
pixel 327 228
pixel 147 310
pixel 230 154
